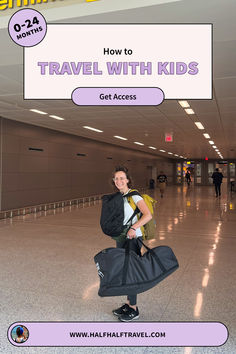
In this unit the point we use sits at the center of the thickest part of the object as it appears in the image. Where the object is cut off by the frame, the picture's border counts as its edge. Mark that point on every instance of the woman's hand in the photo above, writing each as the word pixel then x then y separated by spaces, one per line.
pixel 131 234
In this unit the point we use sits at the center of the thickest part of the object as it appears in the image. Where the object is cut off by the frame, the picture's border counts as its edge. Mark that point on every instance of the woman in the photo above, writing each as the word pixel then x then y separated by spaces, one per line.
pixel 20 335
pixel 122 181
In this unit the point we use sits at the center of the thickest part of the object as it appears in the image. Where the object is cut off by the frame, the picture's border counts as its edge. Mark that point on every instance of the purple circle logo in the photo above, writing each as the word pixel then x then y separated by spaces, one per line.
pixel 27 27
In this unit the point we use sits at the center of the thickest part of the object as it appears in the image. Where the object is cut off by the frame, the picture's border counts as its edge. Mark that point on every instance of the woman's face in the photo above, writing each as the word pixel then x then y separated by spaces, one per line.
pixel 121 181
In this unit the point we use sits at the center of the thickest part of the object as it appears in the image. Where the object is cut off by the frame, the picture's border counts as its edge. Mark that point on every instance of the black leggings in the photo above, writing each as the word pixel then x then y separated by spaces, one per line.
pixel 135 246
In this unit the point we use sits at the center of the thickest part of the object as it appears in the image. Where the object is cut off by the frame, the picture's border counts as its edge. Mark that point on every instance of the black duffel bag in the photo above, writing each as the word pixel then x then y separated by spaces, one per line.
pixel 123 272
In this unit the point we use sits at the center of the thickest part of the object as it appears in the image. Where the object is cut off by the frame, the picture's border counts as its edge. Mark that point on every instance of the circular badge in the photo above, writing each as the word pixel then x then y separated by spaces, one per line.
pixel 19 334
pixel 27 27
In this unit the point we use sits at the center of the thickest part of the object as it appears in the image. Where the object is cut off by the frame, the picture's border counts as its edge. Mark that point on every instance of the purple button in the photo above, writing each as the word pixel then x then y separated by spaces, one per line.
pixel 117 96
pixel 113 334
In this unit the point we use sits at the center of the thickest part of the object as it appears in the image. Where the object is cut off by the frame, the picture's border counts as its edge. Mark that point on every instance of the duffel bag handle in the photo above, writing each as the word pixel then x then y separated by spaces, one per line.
pixel 154 255
pixel 139 239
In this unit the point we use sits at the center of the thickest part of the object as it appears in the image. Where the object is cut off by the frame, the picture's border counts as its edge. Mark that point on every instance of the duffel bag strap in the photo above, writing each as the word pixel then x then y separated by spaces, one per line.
pixel 154 255
pixel 126 262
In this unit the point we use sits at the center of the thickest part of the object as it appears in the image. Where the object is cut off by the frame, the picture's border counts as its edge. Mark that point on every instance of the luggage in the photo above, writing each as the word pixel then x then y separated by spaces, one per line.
pixel 149 229
pixel 112 215
pixel 123 272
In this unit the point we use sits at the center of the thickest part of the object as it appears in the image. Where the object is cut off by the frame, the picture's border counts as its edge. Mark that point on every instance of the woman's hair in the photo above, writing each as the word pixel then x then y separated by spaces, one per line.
pixel 125 170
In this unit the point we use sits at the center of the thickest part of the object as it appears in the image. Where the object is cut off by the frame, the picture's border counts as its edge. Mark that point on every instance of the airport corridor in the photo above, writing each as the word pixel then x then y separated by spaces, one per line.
pixel 48 272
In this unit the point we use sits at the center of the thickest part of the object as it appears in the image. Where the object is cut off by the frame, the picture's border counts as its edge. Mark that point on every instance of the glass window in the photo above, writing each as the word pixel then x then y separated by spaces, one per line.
pixel 178 180
pixel 199 180
pixel 178 169
pixel 210 169
pixel 198 170
pixel 232 169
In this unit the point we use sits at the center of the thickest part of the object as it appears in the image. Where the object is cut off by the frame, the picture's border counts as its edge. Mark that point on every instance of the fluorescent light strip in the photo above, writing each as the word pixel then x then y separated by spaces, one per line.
pixel 152 147
pixel 199 125
pixel 217 150
pixel 211 142
pixel 214 146
pixel 95 130
pixel 119 137
pixel 189 111
pixel 184 104
pixel 207 136
pixel 56 117
pixel 37 111
pixel 162 150
pixel 170 153
pixel 137 143
pixel 181 157
pixel 176 155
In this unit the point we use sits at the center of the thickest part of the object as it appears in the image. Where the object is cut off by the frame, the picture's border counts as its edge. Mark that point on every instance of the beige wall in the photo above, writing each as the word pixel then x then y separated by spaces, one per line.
pixel 57 173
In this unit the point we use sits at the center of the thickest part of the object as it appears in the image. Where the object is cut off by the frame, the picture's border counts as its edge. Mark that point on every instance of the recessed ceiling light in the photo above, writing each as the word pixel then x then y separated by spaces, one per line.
pixel 214 146
pixel 56 117
pixel 37 111
pixel 181 157
pixel 199 125
pixel 189 111
pixel 184 104
pixel 119 137
pixel 217 150
pixel 152 147
pixel 137 143
pixel 211 142
pixel 170 153
pixel 162 150
pixel 207 136
pixel 95 130
pixel 176 155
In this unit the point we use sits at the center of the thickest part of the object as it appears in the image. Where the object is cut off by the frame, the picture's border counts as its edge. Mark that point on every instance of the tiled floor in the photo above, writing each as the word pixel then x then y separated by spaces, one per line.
pixel 48 274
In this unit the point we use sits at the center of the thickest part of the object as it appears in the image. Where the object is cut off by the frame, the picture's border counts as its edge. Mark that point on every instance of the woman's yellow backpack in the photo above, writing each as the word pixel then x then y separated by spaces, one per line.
pixel 149 229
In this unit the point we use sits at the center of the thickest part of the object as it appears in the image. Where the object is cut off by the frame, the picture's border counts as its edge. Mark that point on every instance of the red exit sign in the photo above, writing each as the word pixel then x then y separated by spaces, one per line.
pixel 168 138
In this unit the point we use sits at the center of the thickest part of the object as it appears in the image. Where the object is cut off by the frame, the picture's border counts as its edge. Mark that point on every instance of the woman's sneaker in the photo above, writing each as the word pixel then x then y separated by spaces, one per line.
pixel 121 310
pixel 129 315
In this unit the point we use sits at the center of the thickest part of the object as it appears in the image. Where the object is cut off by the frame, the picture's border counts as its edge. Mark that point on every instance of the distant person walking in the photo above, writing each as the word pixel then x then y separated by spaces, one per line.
pixel 217 180
pixel 188 177
pixel 151 183
pixel 162 181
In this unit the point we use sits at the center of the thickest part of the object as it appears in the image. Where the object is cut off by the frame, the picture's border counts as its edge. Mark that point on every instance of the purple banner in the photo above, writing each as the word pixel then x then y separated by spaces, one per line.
pixel 109 334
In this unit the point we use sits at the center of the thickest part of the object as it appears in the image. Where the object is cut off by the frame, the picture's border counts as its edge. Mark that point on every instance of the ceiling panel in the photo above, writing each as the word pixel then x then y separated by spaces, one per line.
pixel 225 87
